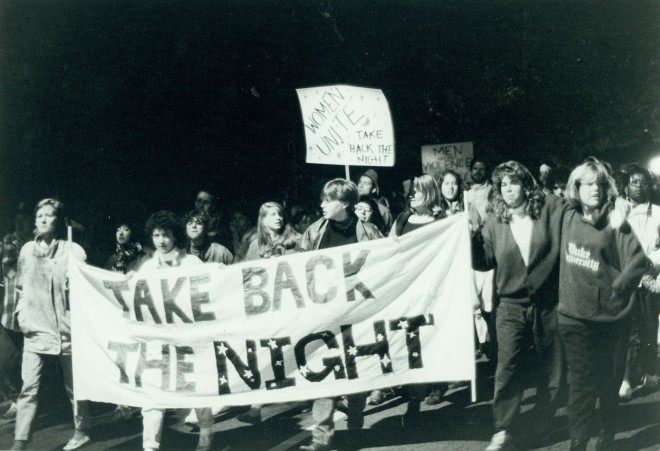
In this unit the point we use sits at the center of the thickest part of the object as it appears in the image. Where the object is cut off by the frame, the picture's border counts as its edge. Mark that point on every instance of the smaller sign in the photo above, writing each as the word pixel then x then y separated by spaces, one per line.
pixel 440 157
pixel 347 125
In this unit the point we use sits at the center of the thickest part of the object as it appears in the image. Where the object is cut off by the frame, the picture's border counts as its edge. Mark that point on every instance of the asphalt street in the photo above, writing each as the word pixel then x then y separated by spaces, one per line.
pixel 455 424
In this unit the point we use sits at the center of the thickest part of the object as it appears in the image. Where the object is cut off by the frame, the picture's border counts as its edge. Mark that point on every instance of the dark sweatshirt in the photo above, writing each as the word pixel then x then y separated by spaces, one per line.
pixel 600 267
pixel 496 247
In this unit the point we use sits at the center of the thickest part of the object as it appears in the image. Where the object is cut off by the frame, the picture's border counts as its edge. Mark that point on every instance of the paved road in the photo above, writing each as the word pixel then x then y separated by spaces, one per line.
pixel 456 424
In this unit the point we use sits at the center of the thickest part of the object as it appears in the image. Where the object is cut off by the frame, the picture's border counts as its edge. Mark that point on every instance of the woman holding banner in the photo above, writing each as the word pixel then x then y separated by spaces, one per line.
pixel 42 313
pixel 425 208
pixel 275 237
pixel 521 239
pixel 167 234
pixel 338 226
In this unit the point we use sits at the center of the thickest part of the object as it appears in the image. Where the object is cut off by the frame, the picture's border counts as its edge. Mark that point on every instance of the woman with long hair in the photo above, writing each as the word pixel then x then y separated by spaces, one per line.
pixel 274 236
pixel 425 206
pixel 42 312
pixel 450 184
pixel 521 239
pixel 601 264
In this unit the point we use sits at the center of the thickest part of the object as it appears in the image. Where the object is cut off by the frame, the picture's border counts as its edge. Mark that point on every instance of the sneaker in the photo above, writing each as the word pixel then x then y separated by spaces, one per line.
pixel 376 397
pixel 435 397
pixel 649 381
pixel 79 440
pixel 342 405
pixel 191 419
pixel 123 413
pixel 501 441
pixel 253 416
pixel 10 414
pixel 625 392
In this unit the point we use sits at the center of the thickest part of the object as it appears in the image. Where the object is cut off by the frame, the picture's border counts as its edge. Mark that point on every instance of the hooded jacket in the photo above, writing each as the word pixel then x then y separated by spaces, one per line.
pixel 600 266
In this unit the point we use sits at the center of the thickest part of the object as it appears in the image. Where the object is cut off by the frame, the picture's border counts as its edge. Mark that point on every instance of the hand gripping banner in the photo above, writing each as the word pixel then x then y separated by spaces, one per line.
pixel 317 324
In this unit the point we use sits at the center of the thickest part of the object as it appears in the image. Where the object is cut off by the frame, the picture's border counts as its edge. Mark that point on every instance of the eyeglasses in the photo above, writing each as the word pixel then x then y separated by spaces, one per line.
pixel 639 182
pixel 363 209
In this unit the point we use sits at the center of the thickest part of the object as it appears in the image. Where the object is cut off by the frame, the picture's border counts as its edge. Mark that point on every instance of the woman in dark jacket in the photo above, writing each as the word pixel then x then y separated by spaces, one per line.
pixel 601 264
pixel 521 239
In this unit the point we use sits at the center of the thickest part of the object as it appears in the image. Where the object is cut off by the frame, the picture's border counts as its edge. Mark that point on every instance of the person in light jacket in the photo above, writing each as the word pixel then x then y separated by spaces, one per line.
pixel 43 316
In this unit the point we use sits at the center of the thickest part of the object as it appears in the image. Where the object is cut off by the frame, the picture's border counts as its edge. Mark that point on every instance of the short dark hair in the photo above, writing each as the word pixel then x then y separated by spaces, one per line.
pixel 482 161
pixel 166 220
pixel 636 169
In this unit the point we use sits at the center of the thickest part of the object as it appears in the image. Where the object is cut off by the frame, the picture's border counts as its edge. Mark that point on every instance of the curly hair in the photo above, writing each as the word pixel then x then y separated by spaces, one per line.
pixel 166 220
pixel 286 238
pixel 533 195
pixel 201 215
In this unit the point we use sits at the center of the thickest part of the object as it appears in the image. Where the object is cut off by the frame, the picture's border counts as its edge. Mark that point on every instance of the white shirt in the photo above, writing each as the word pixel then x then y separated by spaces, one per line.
pixel 645 222
pixel 521 229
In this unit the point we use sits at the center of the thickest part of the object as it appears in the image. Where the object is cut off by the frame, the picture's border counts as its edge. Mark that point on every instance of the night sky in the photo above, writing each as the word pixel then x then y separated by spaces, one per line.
pixel 132 105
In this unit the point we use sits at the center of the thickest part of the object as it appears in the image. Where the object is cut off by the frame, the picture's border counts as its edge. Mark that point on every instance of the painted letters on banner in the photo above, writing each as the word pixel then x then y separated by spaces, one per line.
pixel 343 320
pixel 347 125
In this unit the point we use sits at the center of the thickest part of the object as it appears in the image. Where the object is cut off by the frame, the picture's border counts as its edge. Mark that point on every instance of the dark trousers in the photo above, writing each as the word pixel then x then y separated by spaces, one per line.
pixel 11 349
pixel 643 339
pixel 522 328
pixel 596 357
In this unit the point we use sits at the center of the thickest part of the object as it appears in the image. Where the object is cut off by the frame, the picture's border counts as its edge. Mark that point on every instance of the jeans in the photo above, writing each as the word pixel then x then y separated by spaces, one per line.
pixel 152 424
pixel 323 411
pixel 596 356
pixel 520 326
pixel 27 402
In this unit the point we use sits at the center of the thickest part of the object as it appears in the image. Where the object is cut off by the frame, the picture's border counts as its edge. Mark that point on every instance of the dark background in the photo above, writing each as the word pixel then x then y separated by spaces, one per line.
pixel 131 106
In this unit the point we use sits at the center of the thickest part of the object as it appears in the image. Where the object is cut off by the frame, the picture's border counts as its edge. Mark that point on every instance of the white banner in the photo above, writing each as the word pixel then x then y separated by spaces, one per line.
pixel 437 158
pixel 347 125
pixel 318 324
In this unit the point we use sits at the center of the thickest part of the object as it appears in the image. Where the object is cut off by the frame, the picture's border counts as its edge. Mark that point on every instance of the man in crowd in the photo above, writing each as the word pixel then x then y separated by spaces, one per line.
pixel 644 218
pixel 480 188
pixel 368 186
pixel 206 200
pixel 547 177
pixel 338 226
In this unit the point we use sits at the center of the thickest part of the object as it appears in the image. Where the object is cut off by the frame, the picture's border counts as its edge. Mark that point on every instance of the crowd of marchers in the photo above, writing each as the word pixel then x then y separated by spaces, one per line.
pixel 566 268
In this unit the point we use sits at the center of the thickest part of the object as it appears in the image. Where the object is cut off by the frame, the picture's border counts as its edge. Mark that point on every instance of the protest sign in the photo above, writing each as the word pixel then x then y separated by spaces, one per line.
pixel 440 157
pixel 317 324
pixel 347 125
